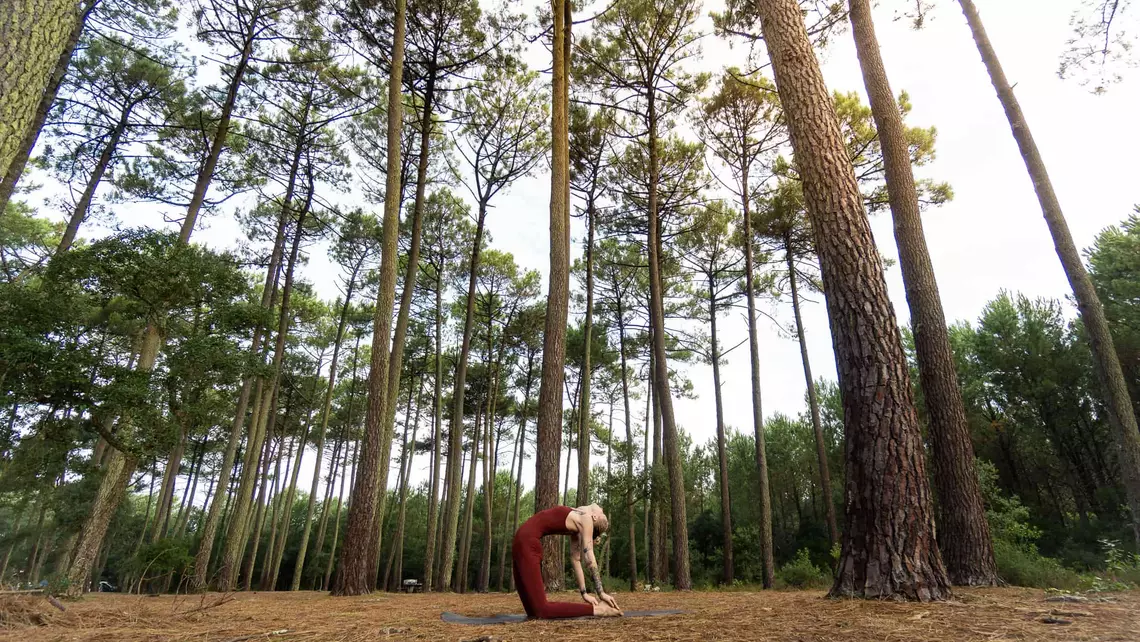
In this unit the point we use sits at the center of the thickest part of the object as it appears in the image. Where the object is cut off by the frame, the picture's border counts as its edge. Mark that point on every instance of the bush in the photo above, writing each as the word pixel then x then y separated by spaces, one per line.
pixel 801 573
pixel 1024 566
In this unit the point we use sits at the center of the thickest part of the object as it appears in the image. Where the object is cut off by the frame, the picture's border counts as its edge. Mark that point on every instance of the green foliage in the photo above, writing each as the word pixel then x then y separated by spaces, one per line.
pixel 164 558
pixel 801 573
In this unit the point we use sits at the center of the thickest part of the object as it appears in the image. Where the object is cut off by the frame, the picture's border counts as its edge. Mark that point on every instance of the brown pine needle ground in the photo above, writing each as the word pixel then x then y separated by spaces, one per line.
pixel 993 615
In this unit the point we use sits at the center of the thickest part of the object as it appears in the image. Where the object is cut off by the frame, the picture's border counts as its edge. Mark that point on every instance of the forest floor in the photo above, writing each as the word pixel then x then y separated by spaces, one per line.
pixel 974 614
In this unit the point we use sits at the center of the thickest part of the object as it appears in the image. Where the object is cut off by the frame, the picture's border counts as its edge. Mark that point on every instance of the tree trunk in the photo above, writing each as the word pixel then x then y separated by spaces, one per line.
pixel 813 407
pixel 769 576
pixel 187 503
pixel 522 457
pixel 39 33
pixel 339 503
pixel 199 581
pixel 650 469
pixel 629 444
pixel 547 457
pixel 1107 362
pixel 261 425
pixel 79 213
pixel 112 487
pixel 166 490
pixel 206 174
pixel 660 535
pixel 269 509
pixel 406 470
pixel 437 437
pixel 298 569
pixel 584 414
pixel 888 540
pixel 721 448
pixel 469 508
pixel 395 365
pixel 455 427
pixel 967 549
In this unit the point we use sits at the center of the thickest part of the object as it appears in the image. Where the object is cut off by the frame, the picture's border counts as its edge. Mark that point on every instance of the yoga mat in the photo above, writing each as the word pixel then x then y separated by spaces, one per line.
pixel 514 618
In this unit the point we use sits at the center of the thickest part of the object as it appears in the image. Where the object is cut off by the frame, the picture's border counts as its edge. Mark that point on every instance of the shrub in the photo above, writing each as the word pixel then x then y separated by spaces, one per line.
pixel 801 573
pixel 1024 566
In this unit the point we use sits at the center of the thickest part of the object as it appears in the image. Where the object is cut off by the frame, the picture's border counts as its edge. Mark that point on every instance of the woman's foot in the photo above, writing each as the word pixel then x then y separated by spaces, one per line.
pixel 605 610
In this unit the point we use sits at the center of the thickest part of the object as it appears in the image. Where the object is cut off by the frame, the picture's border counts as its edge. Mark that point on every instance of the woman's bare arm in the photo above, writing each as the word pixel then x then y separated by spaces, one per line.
pixel 576 562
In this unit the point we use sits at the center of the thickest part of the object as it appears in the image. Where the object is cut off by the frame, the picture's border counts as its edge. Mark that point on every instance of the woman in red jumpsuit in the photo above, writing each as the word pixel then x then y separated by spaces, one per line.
pixel 583 525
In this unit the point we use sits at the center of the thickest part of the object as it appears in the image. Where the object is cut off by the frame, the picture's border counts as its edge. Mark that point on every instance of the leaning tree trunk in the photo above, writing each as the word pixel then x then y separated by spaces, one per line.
pixel 1107 362
pixel 888 540
pixel 362 538
pixel 813 407
pixel 116 475
pixel 209 529
pixel 37 33
pixel 547 457
pixel 721 446
pixel 79 212
pixel 326 410
pixel 964 534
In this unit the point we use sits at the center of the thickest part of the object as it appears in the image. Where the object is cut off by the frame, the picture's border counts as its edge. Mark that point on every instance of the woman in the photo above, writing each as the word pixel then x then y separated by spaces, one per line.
pixel 584 525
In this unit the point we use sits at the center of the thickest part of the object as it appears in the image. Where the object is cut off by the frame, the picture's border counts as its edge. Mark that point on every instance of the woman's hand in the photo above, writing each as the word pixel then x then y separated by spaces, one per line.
pixel 590 599
pixel 609 599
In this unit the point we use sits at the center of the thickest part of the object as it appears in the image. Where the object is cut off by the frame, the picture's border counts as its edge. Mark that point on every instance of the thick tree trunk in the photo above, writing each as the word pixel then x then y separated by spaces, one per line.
pixel 967 549
pixel 437 437
pixel 813 407
pixel 584 414
pixel 362 537
pixel 35 35
pixel 558 294
pixel 888 540
pixel 1088 302
pixel 395 364
pixel 112 487
pixel 79 213
pixel 721 447
pixel 326 411
pixel 455 426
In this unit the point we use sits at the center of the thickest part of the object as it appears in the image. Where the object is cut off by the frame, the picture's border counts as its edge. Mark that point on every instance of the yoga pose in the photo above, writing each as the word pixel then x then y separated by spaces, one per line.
pixel 584 525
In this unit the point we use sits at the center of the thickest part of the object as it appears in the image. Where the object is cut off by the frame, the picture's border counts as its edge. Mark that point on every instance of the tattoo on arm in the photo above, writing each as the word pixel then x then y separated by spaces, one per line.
pixel 594 574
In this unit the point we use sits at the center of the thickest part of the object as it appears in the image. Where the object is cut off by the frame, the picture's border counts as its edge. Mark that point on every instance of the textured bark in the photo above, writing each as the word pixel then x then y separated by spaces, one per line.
pixel 964 535
pixel 584 414
pixel 33 35
pixel 1107 362
pixel 888 540
pixel 721 448
pixel 437 437
pixel 362 538
pixel 547 457
pixel 813 407
pixel 455 426
pixel 79 213
pixel 395 364
pixel 326 411
pixel 112 488
pixel 11 177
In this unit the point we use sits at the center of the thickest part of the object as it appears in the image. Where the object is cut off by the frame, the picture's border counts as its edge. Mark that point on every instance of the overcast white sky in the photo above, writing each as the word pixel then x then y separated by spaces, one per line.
pixel 990 237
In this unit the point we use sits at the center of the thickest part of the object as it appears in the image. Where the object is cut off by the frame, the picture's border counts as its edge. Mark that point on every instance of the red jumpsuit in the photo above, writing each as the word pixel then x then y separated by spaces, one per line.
pixel 526 552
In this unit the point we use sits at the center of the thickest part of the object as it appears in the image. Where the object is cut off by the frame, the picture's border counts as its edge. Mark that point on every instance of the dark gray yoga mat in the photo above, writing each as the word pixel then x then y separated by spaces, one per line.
pixel 514 618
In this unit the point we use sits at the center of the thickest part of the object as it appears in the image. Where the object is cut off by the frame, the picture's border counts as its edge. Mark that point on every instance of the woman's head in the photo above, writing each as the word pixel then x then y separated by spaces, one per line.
pixel 601 522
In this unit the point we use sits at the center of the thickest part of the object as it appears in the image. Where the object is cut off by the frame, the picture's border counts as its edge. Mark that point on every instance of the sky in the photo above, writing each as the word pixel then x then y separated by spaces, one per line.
pixel 990 237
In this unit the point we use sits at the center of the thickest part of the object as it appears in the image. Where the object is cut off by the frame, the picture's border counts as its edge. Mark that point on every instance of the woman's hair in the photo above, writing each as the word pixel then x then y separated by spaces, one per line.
pixel 601 524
